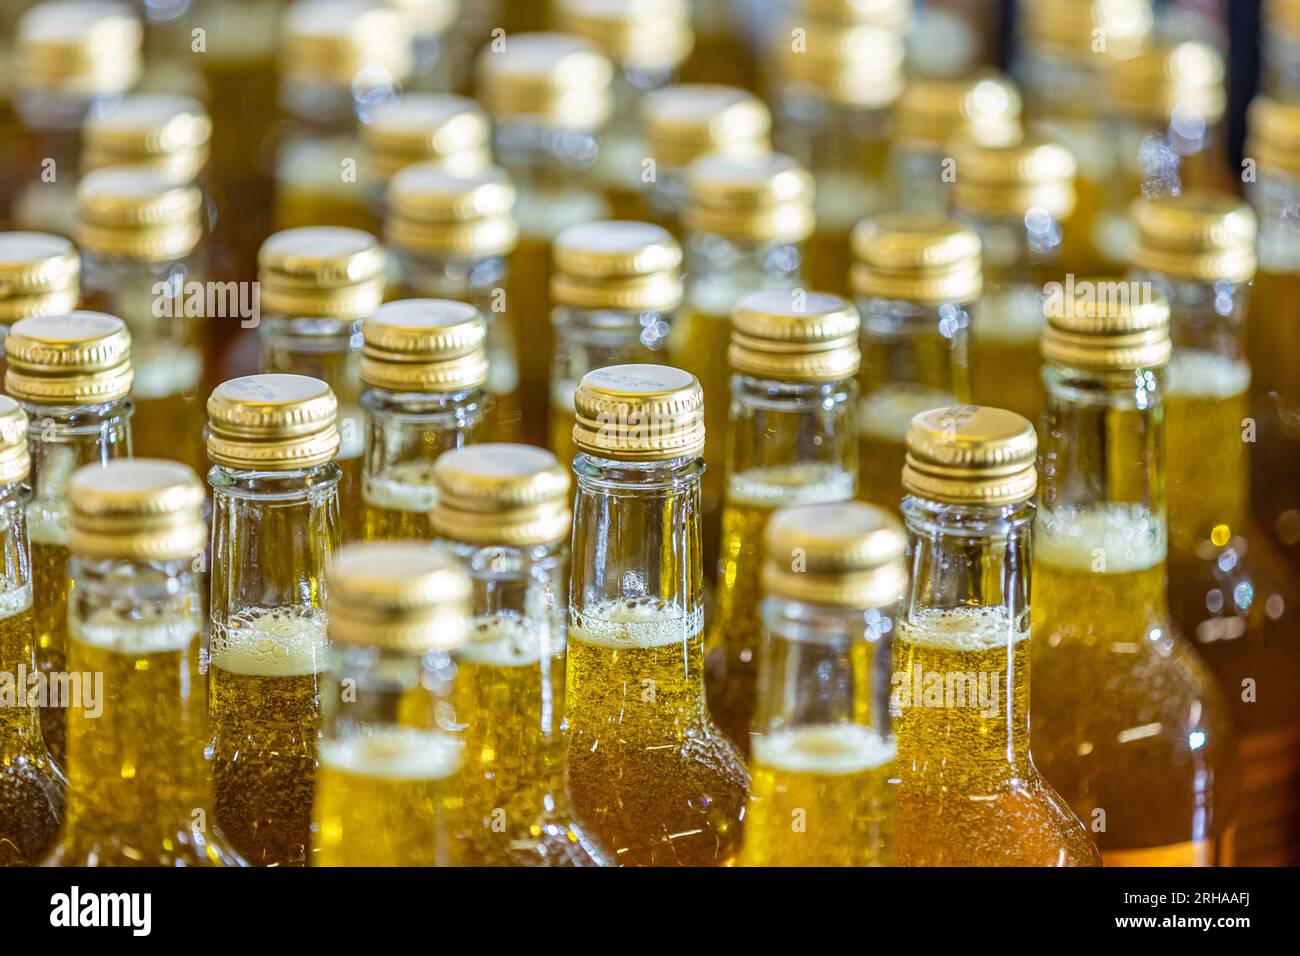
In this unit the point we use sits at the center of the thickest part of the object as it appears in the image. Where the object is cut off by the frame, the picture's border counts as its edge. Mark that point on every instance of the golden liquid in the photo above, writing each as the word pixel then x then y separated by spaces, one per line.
pixel 1127 719
pixel 310 189
pixel 265 717
pixel 351 511
pixel 1006 325
pixel 391 798
pixel 968 792
pixel 731 662
pixel 822 796
pixel 50 586
pixel 562 414
pixel 169 412
pixel 1231 593
pixel 1273 340
pixel 842 199
pixel 137 790
pixel 650 775
pixel 398 504
pixel 530 270
pixel 883 419
pixel 509 692
pixel 31 788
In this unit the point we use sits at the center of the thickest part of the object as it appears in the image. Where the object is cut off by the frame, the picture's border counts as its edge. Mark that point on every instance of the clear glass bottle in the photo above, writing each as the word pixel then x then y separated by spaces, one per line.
pixel 317 285
pixel 441 128
pixel 1066 50
pixel 646 43
pixel 138 789
pixel 141 259
pixel 929 115
pixel 341 63
pixel 616 288
pixel 450 235
pixel 915 278
pixel 969 793
pixel 650 774
pixel 1272 344
pixel 1166 107
pixel 424 367
pixel 31 784
pixel 1017 198
pixel 1129 723
pixel 744 220
pixel 503 510
pixel 389 791
pixel 40 274
pixel 837 78
pixel 824 780
pixel 686 121
pixel 275 525
pixel 1231 591
pixel 78 413
pixel 548 96
pixel 793 440
pixel 71 57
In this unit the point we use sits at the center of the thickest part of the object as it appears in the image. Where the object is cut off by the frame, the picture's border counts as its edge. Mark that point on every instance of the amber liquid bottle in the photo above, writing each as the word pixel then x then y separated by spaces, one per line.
pixel 1231 590
pixel 969 792
pixel 1129 723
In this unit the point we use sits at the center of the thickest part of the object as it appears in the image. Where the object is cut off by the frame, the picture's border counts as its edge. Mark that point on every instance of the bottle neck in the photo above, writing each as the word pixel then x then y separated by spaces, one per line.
pixel 273 532
pixel 406 432
pixel 798 434
pixel 1016 250
pixel 721 269
pixel 960 687
pixel 20 726
pixel 472 279
pixel 849 651
pixel 134 648
pixel 913 353
pixel 62 438
pixel 377 691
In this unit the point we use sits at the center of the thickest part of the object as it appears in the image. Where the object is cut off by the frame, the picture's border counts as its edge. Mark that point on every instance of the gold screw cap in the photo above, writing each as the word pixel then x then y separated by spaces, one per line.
pixel 971 454
pixel 795 335
pixel 1104 324
pixel 80 47
pixel 1009 180
pixel 398 595
pixel 636 34
pixel 428 127
pixel 851 64
pixel 1182 82
pixel 616 265
pixel 169 133
pixel 137 213
pixel 272 423
pixel 639 413
pixel 321 272
pixel 560 80
pixel 424 345
pixel 342 42
pixel 437 210
pixel 500 494
pixel 847 554
pixel 79 358
pixel 985 108
pixel 689 120
pixel 15 461
pixel 1199 235
pixel 921 259
pixel 765 198
pixel 138 509
pixel 1273 135
pixel 40 274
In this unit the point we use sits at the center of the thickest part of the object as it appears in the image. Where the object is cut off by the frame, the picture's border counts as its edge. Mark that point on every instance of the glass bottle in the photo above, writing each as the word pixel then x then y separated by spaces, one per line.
pixel 40 274
pixel 1017 199
pixel 916 279
pixel 317 285
pixel 650 774
pixel 503 511
pixel 1066 49
pixel 930 114
pixel 78 413
pixel 688 120
pixel 423 367
pixel 139 236
pixel 793 440
pixel 1271 341
pixel 31 785
pixel 138 790
pixel 341 63
pixel 1166 107
pixel 1230 588
pixel 71 57
pixel 824 780
pixel 646 43
pixel 389 788
pixel 450 235
pixel 744 221
pixel 616 287
pixel 1128 722
pixel 837 76
pixel 969 793
pixel 1280 48
pixel 548 96
pixel 451 131
pixel 272 440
